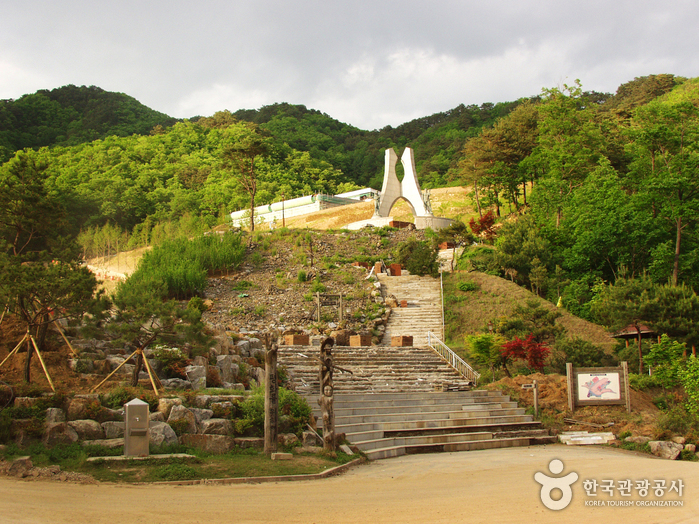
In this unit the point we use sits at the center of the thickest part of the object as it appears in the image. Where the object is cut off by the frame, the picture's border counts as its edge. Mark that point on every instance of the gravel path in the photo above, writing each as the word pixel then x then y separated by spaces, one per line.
pixel 493 486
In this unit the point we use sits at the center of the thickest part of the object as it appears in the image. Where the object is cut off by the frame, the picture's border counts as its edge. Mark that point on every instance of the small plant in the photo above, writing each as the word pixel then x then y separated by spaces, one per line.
pixel 180 426
pixel 242 285
pixel 260 310
pixel 317 286
pixel 301 276
pixel 467 286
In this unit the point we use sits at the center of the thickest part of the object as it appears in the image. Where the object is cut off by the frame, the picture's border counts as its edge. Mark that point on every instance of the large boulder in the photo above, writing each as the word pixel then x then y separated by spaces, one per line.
pixel 665 449
pixel 201 414
pixel 176 383
pixel 54 415
pixel 113 429
pixel 87 429
pixel 216 426
pixel 59 433
pixel 161 433
pixel 181 413
pixel 215 444
pixel 166 404
pixel 196 376
pixel 77 408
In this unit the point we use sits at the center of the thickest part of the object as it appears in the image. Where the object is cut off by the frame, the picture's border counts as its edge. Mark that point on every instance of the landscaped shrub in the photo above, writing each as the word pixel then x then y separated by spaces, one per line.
pixel 418 258
pixel 179 269
pixel 294 413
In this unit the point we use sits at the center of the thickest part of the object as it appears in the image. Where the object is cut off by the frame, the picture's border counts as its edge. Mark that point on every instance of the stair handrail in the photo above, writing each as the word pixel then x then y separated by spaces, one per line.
pixel 451 358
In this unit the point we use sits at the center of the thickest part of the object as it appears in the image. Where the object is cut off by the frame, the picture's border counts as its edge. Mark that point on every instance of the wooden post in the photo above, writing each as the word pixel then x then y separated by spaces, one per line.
pixel 571 390
pixel 536 399
pixel 271 396
pixel 326 394
pixel 627 392
pixel 318 300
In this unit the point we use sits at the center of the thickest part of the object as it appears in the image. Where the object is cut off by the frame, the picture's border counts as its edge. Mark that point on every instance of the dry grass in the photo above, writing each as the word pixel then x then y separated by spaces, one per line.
pixel 496 298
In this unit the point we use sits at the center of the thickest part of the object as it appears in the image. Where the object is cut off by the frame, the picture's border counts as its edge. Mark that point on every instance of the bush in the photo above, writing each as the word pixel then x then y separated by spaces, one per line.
pixel 176 472
pixel 301 276
pixel 418 257
pixel 292 407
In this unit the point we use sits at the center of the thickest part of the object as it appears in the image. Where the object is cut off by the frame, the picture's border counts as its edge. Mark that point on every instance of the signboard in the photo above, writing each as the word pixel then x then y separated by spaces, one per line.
pixel 598 386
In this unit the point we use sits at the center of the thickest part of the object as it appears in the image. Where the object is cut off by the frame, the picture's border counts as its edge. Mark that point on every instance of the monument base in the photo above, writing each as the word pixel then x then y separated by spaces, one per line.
pixel 433 222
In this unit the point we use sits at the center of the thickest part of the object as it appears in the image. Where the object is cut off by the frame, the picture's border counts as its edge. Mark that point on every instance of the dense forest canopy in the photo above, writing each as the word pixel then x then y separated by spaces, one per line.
pixel 605 185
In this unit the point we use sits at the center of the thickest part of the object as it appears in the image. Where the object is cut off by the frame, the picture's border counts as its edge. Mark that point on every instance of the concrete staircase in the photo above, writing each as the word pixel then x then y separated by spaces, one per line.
pixel 375 369
pixel 424 311
pixel 387 425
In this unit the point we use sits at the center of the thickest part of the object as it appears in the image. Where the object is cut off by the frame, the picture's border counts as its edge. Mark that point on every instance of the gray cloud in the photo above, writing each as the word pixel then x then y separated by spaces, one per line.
pixel 370 64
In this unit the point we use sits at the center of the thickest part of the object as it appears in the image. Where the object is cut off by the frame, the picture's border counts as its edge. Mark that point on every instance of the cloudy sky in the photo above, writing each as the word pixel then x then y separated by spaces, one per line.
pixel 368 63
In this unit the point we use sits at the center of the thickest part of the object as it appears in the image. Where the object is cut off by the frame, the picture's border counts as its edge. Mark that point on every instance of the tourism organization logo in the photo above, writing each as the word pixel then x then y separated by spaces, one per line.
pixel 548 484
pixel 624 488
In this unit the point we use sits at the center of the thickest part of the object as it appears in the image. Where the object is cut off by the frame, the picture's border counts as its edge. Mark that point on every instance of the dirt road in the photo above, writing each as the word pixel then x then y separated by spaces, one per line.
pixel 494 486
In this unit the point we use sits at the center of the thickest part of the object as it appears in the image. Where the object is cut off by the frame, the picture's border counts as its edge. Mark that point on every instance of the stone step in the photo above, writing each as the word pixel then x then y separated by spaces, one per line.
pixel 395 451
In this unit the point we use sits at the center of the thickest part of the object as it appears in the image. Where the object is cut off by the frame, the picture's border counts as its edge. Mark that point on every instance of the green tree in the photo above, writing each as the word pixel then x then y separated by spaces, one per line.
pixel 41 276
pixel 626 303
pixel 666 151
pixel 244 143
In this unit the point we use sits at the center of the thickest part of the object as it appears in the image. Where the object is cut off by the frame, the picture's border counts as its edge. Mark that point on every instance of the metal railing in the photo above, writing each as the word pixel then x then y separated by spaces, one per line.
pixel 451 358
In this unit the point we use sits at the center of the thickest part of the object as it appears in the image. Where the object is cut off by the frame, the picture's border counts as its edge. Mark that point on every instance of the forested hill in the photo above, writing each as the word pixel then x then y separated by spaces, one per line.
pixel 72 115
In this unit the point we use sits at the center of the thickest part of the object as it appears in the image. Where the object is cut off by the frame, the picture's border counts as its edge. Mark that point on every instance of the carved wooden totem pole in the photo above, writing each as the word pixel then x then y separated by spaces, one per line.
pixel 326 394
pixel 271 396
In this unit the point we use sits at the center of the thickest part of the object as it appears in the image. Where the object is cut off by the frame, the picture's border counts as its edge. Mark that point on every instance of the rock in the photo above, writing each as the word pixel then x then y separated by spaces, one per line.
pixel 77 408
pixel 690 447
pixel 637 439
pixel 162 434
pixel 287 439
pixel 54 415
pixel 307 449
pixel 665 449
pixel 182 413
pixel 113 429
pixel 156 417
pixel 176 383
pixel 310 439
pixel 255 343
pixel 244 347
pixel 195 372
pixel 113 414
pixel 249 442
pixel 216 426
pixel 678 440
pixel 258 354
pixel 203 401
pixel 87 429
pixel 165 405
pixel 201 414
pixel 225 366
pixel 215 444
pixel 200 360
pixel 199 383
pixel 282 456
pixel 59 433
pixel 20 467
pixel 111 443
pixel 25 402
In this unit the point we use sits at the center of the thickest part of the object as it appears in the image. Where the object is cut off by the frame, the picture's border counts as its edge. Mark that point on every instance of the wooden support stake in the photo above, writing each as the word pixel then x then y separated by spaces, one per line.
pixel 43 365
pixel 150 373
pixel 64 338
pixel 15 350
pixel 113 372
